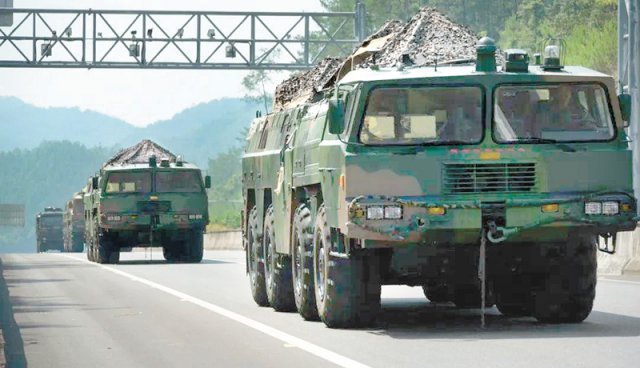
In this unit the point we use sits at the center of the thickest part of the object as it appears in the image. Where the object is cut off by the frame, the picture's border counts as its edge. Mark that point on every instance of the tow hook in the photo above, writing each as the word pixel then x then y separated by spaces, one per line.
pixel 498 234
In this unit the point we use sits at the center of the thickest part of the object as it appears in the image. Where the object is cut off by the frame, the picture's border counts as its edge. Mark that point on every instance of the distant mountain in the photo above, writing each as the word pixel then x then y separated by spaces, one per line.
pixel 197 133
pixel 26 126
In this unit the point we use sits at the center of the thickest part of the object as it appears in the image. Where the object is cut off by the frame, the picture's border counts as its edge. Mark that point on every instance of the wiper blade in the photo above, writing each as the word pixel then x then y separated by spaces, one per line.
pixel 558 144
pixel 535 140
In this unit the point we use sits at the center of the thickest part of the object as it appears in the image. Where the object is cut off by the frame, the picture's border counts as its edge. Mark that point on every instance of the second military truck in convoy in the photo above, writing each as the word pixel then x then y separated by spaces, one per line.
pixel 73 232
pixel 146 196
pixel 49 230
pixel 407 175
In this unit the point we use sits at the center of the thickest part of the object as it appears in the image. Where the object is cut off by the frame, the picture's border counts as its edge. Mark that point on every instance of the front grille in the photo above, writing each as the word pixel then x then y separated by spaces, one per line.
pixel 467 178
pixel 154 207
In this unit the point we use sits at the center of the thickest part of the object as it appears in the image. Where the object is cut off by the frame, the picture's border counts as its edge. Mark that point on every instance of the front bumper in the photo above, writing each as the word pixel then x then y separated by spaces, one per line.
pixel 165 221
pixel 522 218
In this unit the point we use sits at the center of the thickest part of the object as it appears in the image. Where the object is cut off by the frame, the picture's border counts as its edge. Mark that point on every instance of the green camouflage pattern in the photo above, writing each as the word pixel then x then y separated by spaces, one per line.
pixel 314 161
pixel 146 218
pixel 49 230
pixel 73 230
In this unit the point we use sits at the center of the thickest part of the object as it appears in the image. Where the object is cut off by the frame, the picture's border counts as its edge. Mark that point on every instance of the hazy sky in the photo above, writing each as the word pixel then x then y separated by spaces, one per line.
pixel 139 97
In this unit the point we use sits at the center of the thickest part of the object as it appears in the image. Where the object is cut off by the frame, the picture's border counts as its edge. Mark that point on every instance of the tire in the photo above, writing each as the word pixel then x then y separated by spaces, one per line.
pixel 347 289
pixel 302 264
pixel 77 243
pixel 255 267
pixel 105 251
pixel 171 253
pixel 437 293
pixel 194 246
pixel 567 290
pixel 277 269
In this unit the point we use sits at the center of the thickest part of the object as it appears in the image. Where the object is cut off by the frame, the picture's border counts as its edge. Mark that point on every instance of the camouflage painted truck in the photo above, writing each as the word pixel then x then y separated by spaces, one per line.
pixel 404 175
pixel 147 197
pixel 73 231
pixel 49 230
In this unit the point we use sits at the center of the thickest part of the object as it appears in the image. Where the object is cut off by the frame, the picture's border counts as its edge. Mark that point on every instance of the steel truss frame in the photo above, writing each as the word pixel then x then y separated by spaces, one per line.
pixel 204 40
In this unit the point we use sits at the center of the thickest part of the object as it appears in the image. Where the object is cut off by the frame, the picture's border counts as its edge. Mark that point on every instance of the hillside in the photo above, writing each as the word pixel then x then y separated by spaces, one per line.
pixel 43 176
pixel 197 133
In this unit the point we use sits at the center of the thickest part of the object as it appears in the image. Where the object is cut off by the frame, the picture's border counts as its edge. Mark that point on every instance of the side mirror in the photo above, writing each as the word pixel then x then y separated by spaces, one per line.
pixel 336 116
pixel 94 183
pixel 625 107
pixel 207 182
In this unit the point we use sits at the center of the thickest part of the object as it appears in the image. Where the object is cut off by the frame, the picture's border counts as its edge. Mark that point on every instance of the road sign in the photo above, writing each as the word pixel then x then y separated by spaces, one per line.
pixel 12 215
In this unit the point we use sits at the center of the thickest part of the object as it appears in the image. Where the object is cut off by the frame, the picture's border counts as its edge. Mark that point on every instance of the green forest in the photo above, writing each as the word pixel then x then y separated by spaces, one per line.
pixel 44 176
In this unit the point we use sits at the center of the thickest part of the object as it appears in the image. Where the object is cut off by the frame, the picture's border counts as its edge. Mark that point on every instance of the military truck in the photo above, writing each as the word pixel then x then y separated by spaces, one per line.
pixel 433 175
pixel 49 230
pixel 73 231
pixel 145 196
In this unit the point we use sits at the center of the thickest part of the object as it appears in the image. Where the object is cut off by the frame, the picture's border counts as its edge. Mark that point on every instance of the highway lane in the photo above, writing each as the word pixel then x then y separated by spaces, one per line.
pixel 143 313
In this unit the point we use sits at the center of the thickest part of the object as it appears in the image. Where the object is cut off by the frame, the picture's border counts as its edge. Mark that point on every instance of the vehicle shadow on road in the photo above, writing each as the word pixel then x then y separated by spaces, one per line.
pixel 162 261
pixel 419 319
pixel 14 345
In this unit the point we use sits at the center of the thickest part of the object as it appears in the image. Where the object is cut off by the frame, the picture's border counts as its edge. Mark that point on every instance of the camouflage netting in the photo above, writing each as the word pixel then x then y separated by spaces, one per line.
pixel 140 154
pixel 427 38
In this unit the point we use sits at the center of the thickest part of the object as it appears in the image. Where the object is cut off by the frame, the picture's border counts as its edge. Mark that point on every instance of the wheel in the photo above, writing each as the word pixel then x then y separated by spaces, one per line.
pixel 77 243
pixel 194 246
pixel 255 268
pixel 302 264
pixel 567 290
pixel 105 252
pixel 436 293
pixel 277 269
pixel 171 253
pixel 347 289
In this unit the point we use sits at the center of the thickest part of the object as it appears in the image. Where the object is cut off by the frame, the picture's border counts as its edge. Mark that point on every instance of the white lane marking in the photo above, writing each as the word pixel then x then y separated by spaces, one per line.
pixel 311 348
pixel 620 281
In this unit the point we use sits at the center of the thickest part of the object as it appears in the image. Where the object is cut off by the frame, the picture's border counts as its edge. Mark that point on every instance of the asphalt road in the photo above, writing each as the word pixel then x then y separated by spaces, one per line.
pixel 146 313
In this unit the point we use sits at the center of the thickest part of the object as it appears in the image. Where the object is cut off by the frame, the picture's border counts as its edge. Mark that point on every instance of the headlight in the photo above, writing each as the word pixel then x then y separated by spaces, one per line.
pixel 393 212
pixel 375 213
pixel 113 218
pixel 593 208
pixel 610 208
pixel 195 217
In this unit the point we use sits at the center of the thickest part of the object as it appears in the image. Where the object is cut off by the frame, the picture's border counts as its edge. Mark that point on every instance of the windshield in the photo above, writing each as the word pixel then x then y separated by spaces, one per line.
pixel 129 182
pixel 423 115
pixel 558 112
pixel 178 181
pixel 51 220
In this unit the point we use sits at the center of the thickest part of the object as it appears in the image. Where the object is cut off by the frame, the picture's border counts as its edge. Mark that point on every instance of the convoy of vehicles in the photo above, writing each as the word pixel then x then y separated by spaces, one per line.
pixel 146 197
pixel 425 176
pixel 73 231
pixel 49 230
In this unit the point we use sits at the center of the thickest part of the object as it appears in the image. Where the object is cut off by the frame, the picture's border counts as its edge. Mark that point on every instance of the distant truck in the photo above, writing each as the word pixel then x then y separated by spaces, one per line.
pixel 74 224
pixel 146 197
pixel 404 175
pixel 49 230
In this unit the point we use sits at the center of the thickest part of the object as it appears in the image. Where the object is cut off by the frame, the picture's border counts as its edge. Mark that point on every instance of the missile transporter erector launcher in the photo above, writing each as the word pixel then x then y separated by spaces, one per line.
pixel 146 197
pixel 425 176
pixel 49 230
pixel 73 231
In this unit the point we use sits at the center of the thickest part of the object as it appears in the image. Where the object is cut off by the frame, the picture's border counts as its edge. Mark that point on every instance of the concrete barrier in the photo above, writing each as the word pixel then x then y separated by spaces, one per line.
pixel 223 240
pixel 626 260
